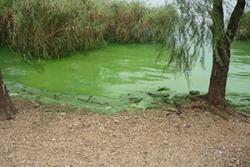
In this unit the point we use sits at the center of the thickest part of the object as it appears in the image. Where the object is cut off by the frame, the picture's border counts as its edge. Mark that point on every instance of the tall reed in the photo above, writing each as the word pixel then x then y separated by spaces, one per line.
pixel 6 21
pixel 46 29
pixel 244 28
pixel 135 22
pixel 50 29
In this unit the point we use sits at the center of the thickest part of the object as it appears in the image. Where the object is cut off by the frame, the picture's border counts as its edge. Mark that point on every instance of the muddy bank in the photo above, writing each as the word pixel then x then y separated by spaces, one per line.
pixel 46 136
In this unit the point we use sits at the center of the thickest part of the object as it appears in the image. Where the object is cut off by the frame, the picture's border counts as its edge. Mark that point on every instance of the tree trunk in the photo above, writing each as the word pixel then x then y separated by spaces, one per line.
pixel 221 49
pixel 218 79
pixel 7 109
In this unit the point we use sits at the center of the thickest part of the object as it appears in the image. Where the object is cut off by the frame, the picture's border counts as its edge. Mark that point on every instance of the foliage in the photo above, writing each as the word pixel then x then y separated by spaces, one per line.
pixel 51 29
pixel 6 20
pixel 48 29
pixel 244 29
pixel 5 4
pixel 203 24
pixel 132 22
pixel 194 33
pixel 191 35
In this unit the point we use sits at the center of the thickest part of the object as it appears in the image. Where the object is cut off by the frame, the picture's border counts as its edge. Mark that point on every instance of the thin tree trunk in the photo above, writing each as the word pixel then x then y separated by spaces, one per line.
pixel 7 109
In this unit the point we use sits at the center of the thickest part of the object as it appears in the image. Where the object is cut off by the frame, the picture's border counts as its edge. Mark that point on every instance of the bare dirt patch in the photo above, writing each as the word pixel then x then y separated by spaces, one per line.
pixel 43 136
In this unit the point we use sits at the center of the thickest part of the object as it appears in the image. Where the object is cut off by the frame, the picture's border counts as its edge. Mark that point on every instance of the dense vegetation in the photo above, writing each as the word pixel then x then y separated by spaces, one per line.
pixel 51 29
pixel 244 29
pixel 6 20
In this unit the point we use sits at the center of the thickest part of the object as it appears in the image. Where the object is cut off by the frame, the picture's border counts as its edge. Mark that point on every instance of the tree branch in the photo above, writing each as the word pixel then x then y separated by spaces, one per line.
pixel 217 27
pixel 235 19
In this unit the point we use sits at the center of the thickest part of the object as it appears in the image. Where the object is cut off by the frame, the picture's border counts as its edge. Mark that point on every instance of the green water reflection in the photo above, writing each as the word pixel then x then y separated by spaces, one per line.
pixel 115 71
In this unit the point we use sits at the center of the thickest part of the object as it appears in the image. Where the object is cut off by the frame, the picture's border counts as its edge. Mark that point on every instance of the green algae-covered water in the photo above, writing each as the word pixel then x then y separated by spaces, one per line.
pixel 107 79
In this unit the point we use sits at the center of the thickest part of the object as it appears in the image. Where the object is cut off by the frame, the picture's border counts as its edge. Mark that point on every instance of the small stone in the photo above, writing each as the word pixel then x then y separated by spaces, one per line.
pixel 238 162
pixel 13 94
pixel 101 128
pixel 171 109
pixel 69 166
pixel 186 126
pixel 163 89
pixel 62 113
pixel 37 105
pixel 135 100
pixel 194 93
pixel 136 117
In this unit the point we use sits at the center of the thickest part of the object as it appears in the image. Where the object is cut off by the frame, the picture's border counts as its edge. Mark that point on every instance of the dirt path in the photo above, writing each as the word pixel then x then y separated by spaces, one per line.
pixel 40 138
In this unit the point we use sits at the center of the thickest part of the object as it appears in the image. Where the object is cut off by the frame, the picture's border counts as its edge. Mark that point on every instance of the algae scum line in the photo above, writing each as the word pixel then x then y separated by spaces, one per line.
pixel 118 77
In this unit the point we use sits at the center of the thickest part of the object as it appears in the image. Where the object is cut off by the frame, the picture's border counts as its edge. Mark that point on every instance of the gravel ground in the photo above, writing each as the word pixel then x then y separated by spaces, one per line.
pixel 44 136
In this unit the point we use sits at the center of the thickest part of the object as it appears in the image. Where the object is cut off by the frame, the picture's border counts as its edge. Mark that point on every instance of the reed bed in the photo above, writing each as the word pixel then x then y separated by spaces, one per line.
pixel 6 21
pixel 45 29
pixel 50 29
pixel 133 22
pixel 244 28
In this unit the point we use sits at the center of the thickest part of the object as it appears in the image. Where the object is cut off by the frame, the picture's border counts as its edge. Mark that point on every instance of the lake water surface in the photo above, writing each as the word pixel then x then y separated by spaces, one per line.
pixel 109 74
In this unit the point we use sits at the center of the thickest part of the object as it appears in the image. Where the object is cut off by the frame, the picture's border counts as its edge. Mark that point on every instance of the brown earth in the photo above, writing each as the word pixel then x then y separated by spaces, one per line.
pixel 43 136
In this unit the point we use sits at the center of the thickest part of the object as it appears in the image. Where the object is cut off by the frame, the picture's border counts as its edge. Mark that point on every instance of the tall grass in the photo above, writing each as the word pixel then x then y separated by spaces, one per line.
pixel 244 28
pixel 134 22
pixel 6 21
pixel 5 4
pixel 51 29
pixel 126 22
